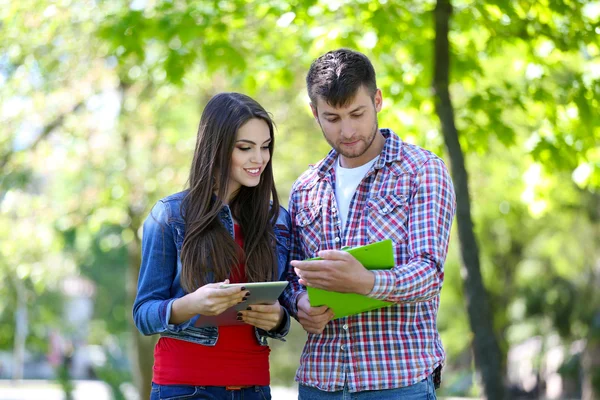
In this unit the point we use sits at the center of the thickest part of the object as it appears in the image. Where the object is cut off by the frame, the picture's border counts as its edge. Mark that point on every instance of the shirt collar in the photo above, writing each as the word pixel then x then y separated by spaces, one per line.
pixel 391 152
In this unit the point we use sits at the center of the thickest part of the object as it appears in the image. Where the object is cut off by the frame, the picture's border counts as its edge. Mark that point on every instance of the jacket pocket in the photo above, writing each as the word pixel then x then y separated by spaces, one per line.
pixel 308 222
pixel 388 218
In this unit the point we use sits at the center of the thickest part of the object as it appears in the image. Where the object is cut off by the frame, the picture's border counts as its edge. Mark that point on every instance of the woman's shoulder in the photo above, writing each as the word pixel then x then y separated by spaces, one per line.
pixel 170 207
pixel 175 197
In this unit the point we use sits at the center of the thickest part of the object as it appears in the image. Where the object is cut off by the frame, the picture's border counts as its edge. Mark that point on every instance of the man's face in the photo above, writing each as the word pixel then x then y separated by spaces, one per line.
pixel 351 130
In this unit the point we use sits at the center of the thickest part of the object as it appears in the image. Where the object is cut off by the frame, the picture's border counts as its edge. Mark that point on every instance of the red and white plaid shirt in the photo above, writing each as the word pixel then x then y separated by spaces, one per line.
pixel 406 196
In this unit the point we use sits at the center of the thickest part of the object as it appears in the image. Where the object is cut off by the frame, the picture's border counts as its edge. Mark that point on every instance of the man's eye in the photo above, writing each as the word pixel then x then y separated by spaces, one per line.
pixel 331 119
pixel 357 115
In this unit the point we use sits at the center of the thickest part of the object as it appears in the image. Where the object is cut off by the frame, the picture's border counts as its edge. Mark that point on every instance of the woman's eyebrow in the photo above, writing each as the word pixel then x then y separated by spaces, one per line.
pixel 251 142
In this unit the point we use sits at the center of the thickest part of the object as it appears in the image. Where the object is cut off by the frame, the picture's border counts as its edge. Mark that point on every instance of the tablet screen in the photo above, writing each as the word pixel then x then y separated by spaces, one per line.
pixel 260 293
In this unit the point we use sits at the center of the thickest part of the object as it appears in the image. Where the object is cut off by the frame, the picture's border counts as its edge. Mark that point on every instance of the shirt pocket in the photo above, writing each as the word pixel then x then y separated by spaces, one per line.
pixel 388 218
pixel 308 223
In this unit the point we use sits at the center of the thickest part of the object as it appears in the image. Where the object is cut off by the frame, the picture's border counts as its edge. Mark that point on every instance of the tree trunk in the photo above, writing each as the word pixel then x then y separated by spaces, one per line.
pixel 487 354
pixel 21 331
pixel 590 358
pixel 142 350
pixel 591 368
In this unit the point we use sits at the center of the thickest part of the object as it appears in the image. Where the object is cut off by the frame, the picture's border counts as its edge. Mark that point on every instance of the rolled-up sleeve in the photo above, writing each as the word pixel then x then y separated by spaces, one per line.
pixel 431 211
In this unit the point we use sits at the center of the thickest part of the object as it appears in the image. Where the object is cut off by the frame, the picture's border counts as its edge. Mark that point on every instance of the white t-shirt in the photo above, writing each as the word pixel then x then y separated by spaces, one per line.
pixel 346 182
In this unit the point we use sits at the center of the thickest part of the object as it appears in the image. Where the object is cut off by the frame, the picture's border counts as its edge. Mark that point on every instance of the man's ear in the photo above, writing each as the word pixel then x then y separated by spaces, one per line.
pixel 315 113
pixel 378 100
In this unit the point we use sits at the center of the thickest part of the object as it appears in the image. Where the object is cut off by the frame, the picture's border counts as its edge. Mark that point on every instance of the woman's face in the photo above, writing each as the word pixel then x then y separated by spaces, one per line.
pixel 250 156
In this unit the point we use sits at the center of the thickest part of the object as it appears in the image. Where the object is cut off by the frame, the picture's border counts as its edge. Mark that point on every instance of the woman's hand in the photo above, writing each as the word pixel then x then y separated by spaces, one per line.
pixel 263 316
pixel 209 299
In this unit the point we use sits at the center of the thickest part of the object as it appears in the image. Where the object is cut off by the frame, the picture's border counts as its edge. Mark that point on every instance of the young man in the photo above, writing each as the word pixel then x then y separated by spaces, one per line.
pixel 371 186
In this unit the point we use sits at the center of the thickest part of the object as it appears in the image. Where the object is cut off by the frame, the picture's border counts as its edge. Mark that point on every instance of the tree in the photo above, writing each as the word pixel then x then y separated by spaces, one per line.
pixel 487 352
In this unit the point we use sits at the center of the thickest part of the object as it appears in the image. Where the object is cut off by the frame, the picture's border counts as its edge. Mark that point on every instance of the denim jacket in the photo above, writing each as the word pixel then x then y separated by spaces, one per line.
pixel 159 283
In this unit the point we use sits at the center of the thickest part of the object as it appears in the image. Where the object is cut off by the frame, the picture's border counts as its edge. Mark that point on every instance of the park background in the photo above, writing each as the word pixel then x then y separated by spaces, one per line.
pixel 99 106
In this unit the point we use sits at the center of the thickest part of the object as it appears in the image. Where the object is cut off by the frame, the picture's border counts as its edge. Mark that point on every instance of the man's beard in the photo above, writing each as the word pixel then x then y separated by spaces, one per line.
pixel 369 141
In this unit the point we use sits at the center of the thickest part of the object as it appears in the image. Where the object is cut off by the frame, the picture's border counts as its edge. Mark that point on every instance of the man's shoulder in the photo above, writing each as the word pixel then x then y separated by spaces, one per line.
pixel 308 178
pixel 414 157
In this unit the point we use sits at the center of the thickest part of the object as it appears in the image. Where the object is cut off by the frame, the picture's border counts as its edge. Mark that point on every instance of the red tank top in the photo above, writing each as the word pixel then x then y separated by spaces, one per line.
pixel 236 359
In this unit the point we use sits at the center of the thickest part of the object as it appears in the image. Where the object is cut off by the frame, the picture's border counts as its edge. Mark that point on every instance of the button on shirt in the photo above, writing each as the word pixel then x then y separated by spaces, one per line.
pixel 407 196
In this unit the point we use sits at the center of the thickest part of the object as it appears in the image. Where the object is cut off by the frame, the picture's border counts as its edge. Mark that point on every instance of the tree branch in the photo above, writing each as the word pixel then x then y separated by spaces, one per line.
pixel 46 130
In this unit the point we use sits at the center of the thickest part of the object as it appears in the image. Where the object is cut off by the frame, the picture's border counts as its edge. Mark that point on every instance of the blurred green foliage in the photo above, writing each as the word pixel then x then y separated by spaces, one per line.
pixel 100 103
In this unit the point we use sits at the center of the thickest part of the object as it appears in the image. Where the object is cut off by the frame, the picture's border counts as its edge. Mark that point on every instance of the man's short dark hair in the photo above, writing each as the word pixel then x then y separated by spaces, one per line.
pixel 337 75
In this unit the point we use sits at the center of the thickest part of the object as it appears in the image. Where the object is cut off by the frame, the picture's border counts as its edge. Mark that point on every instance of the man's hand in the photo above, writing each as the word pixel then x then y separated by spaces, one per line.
pixel 312 319
pixel 338 271
pixel 263 316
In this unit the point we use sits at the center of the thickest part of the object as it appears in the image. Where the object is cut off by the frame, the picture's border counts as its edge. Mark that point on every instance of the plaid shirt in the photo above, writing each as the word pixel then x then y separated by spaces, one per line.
pixel 407 196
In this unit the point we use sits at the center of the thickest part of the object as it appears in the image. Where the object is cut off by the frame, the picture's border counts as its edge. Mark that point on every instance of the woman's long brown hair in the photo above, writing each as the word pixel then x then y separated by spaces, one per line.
pixel 208 248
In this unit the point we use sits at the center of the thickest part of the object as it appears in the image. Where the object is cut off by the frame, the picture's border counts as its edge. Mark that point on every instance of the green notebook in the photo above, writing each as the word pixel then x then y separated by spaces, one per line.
pixel 378 255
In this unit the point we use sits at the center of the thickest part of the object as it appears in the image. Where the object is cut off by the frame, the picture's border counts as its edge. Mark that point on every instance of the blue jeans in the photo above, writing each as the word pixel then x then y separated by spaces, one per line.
pixel 181 392
pixel 423 390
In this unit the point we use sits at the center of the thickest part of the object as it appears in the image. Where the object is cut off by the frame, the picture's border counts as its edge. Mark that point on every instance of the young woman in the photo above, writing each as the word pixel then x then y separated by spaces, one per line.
pixel 227 227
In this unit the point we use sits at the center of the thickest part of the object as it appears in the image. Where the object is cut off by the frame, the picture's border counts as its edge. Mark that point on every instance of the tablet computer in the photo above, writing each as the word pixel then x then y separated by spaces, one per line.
pixel 260 293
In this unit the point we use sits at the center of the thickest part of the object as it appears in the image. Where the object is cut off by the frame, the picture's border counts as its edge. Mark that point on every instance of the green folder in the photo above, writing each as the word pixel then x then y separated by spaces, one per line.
pixel 378 255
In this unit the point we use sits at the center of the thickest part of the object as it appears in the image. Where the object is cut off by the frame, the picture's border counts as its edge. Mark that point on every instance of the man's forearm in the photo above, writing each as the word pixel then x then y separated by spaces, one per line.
pixel 364 284
pixel 419 280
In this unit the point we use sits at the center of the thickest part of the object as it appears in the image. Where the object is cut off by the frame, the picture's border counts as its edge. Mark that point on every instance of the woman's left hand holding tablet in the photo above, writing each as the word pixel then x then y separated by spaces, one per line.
pixel 263 316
